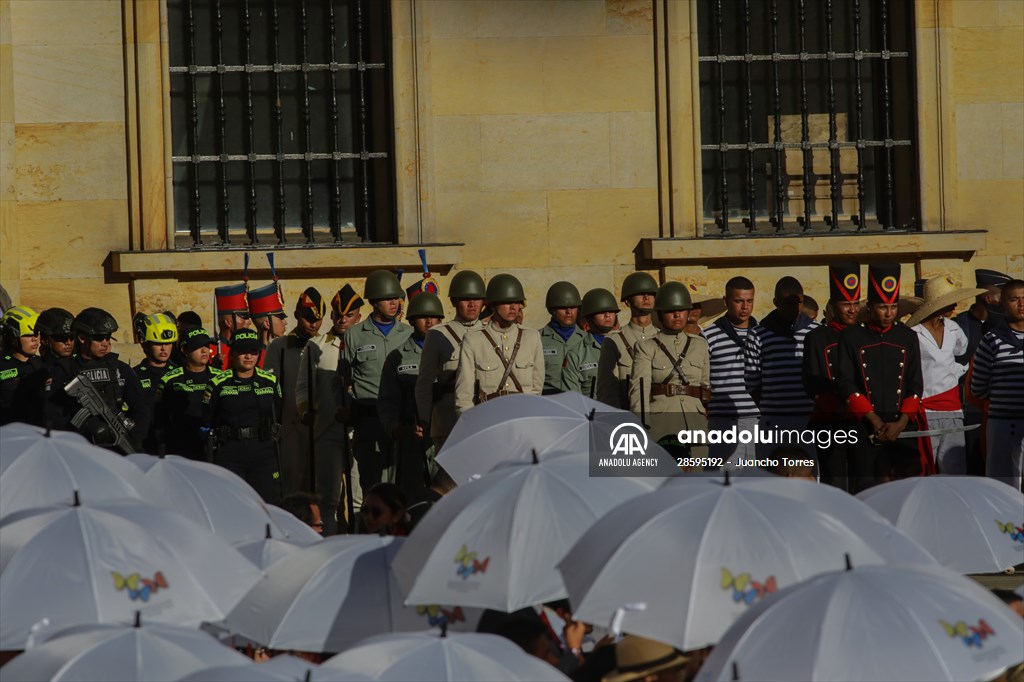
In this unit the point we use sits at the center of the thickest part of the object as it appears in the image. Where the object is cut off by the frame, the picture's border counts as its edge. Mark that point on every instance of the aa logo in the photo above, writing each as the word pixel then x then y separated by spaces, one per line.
pixel 628 439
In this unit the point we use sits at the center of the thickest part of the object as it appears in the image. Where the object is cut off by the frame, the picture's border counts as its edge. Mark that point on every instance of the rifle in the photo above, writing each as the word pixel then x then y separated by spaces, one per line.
pixel 113 426
pixel 312 415
pixel 346 453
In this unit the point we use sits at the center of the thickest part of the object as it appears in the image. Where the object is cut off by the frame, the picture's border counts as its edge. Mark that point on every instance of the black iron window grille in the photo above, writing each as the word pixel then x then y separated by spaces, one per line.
pixel 281 116
pixel 807 116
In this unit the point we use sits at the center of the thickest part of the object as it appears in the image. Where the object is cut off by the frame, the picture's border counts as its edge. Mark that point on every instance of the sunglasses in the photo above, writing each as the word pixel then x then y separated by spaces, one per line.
pixel 373 512
pixel 62 338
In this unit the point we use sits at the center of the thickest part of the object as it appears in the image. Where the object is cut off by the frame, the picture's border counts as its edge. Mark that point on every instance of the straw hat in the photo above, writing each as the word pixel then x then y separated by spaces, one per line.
pixel 636 658
pixel 939 293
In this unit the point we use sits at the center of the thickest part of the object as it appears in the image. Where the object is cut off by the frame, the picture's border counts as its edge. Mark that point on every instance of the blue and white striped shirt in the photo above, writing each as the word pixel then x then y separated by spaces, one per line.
pixel 729 397
pixel 999 373
pixel 773 365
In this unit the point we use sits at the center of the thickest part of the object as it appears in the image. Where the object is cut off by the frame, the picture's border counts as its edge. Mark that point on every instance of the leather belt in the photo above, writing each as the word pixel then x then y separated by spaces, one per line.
pixel 484 397
pixel 672 390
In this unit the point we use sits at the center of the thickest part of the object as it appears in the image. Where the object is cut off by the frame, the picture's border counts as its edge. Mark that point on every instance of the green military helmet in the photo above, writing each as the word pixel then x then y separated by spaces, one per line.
pixel 425 304
pixel 562 295
pixel 672 296
pixel 638 283
pixel 504 288
pixel 467 284
pixel 598 301
pixel 382 285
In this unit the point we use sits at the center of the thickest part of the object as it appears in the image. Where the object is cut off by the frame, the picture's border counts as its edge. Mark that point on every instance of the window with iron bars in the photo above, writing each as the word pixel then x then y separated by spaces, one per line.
pixel 281 117
pixel 807 116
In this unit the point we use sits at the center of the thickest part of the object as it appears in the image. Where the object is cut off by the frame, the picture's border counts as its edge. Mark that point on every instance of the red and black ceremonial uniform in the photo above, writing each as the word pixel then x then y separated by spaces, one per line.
pixel 821 350
pixel 879 370
pixel 232 299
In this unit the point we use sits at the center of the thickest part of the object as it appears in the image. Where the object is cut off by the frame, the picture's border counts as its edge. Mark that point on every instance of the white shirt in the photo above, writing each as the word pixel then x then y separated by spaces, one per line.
pixel 939 369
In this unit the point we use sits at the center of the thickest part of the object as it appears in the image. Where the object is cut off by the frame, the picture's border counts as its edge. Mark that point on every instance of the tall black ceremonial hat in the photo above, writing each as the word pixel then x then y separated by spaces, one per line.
pixel 844 282
pixel 884 283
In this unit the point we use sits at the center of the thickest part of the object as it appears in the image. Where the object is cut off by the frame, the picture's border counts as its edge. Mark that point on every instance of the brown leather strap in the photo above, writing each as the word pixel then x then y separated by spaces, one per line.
pixel 458 341
pixel 630 350
pixel 508 374
pixel 675 361
pixel 671 390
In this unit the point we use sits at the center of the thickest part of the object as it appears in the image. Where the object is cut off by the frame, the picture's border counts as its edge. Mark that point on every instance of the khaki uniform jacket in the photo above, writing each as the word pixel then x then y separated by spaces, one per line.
pixel 362 358
pixel 556 349
pixel 580 373
pixel 323 350
pixel 480 368
pixel 652 367
pixel 616 363
pixel 438 364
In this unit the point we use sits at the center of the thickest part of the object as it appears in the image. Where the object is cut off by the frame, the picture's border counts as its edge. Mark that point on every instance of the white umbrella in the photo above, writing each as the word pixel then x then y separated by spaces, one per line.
pixel 295 530
pixel 150 652
pixel 969 524
pixel 510 428
pixel 495 542
pixel 697 554
pixel 268 551
pixel 39 470
pixel 872 623
pixel 283 668
pixel 329 595
pixel 455 658
pixel 210 495
pixel 102 563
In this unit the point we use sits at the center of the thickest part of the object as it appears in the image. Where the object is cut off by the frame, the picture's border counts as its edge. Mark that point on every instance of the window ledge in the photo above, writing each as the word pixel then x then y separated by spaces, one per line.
pixel 354 260
pixel 811 249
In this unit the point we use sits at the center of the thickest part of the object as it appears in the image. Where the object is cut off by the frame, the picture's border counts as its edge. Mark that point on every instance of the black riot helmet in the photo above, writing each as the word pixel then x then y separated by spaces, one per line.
pixel 94 322
pixel 54 322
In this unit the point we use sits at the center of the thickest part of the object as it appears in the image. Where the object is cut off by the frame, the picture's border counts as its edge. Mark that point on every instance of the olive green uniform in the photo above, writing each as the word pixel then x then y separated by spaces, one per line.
pixel 556 349
pixel 360 365
pixel 481 368
pixel 615 364
pixel 396 405
pixel 667 393
pixel 435 386
pixel 580 373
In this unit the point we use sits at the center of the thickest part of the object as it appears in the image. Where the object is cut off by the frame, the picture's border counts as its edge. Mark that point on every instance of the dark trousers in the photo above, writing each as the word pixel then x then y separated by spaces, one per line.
pixel 371 447
pixel 255 461
pixel 870 464
pixel 833 461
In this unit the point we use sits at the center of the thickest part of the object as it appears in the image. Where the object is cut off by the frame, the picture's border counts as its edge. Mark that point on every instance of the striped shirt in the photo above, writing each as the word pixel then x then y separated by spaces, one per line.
pixel 729 397
pixel 999 373
pixel 773 365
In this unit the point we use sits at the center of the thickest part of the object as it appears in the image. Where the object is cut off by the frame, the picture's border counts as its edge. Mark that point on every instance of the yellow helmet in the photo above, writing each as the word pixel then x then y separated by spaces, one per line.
pixel 20 321
pixel 159 328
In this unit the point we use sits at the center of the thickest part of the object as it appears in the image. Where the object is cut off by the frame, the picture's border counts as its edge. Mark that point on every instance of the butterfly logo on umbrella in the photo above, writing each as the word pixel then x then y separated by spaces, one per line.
pixel 746 590
pixel 468 564
pixel 970 635
pixel 139 588
pixel 438 616
pixel 1016 533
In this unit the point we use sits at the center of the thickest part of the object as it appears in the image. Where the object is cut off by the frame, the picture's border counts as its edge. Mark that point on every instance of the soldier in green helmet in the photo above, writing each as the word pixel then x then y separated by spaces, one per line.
pixel 672 370
pixel 615 365
pixel 560 335
pixel 502 357
pixel 600 310
pixel 360 364
pixel 396 402
pixel 435 386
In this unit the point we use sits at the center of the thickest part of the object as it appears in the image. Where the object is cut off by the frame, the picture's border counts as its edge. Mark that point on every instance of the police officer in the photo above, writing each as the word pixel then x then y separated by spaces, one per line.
pixel 672 371
pixel 820 366
pixel 56 339
pixel 560 335
pixel 158 334
pixel 178 413
pixel 319 403
pixel 231 308
pixel 116 382
pixel 396 402
pixel 282 358
pixel 616 362
pixel 502 357
pixel 19 360
pixel 360 364
pixel 600 310
pixel 240 409
pixel 435 385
